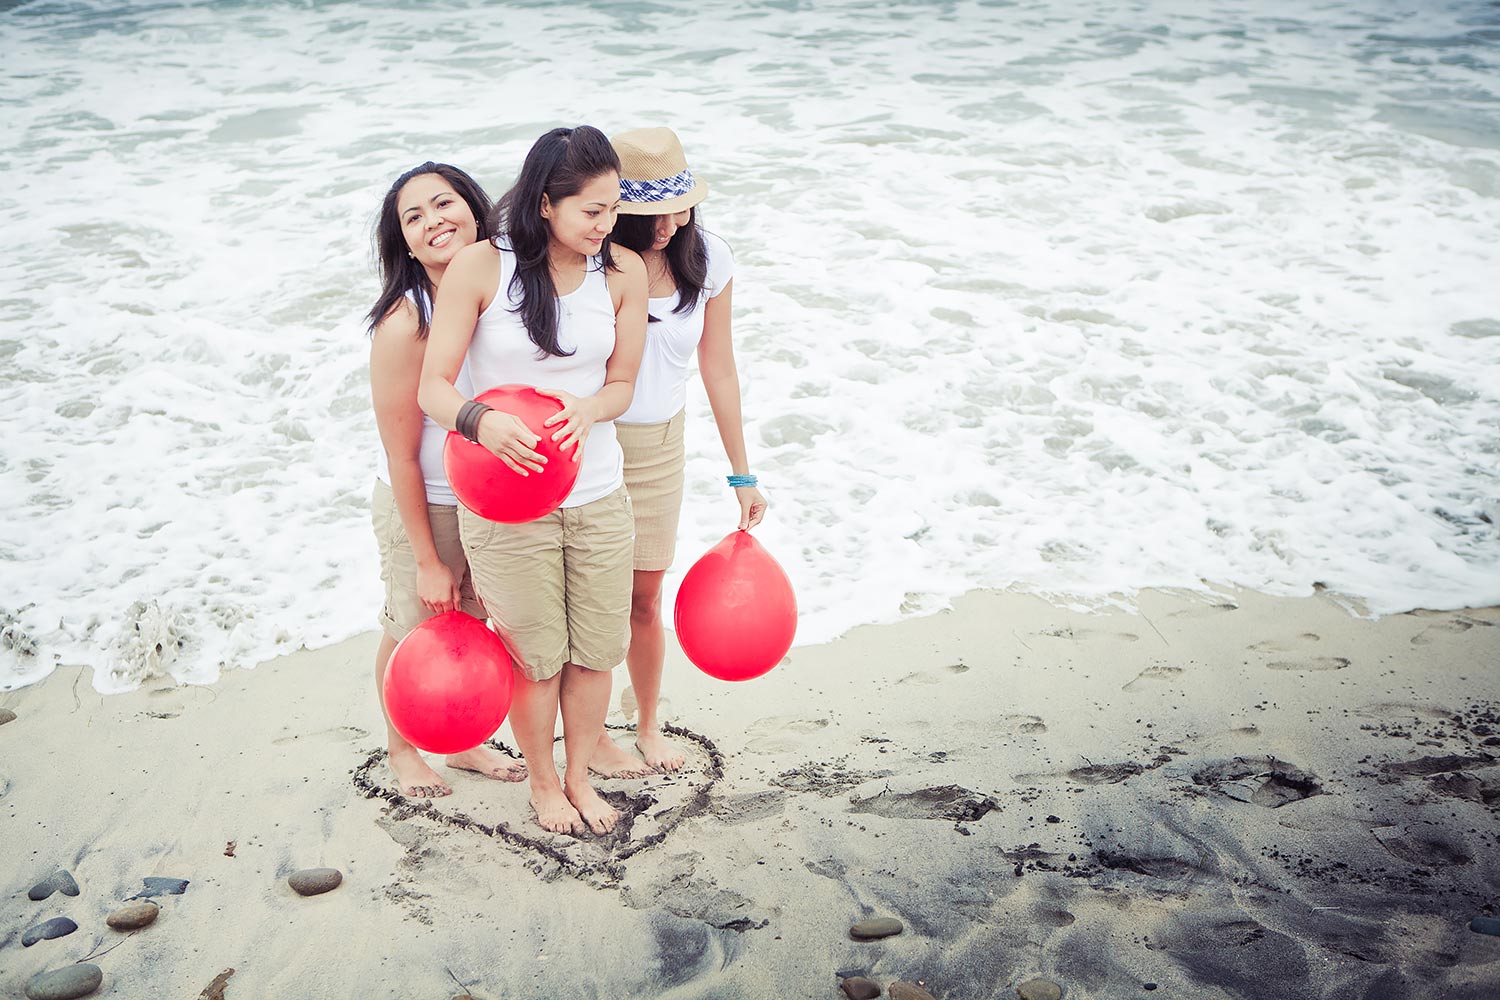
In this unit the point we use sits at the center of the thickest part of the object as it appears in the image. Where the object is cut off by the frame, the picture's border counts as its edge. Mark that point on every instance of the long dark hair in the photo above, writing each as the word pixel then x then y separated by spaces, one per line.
pixel 687 257
pixel 399 271
pixel 559 164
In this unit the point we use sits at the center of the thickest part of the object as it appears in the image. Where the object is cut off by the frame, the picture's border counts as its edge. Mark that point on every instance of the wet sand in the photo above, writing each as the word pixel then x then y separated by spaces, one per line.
pixel 1254 797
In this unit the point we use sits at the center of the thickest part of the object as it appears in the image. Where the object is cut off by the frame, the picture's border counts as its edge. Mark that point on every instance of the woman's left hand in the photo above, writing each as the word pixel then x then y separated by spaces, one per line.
pixel 577 418
pixel 752 506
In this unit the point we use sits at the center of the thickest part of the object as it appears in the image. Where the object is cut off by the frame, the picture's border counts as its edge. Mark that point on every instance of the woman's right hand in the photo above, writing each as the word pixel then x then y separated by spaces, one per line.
pixel 511 441
pixel 436 588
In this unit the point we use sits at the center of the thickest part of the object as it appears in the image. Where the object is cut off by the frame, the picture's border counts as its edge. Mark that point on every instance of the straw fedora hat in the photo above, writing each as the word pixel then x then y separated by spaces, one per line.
pixel 654 175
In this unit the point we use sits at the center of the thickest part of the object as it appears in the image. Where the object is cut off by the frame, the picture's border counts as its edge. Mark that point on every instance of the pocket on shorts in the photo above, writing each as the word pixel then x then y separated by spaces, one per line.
pixel 474 532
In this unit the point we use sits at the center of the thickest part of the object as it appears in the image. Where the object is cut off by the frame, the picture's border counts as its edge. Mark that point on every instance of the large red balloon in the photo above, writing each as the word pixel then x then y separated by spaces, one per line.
pixel 447 688
pixel 736 613
pixel 488 487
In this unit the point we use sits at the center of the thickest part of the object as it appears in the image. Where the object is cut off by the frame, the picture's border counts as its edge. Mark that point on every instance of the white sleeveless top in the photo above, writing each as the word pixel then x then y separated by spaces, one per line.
pixel 671 341
pixel 502 353
pixel 433 435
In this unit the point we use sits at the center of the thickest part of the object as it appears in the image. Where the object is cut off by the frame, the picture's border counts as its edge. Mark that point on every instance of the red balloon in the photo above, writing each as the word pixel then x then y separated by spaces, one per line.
pixel 736 613
pixel 490 488
pixel 447 688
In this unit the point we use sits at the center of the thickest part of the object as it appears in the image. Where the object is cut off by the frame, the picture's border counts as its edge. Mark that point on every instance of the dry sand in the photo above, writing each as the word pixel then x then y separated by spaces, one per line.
pixel 1253 799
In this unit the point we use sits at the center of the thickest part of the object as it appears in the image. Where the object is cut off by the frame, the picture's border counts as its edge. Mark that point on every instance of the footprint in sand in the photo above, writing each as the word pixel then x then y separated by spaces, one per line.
pixel 1285 645
pixel 1312 663
pixel 1437 631
pixel 1299 646
pixel 1204 611
pixel 924 677
pixel 1019 725
pixel 1439 850
pixel 338 734
pixel 1084 634
pixel 778 733
pixel 1152 676
pixel 1054 918
pixel 749 807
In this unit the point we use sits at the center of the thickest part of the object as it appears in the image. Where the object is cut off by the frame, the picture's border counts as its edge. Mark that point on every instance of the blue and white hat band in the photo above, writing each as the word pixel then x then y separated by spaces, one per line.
pixel 647 192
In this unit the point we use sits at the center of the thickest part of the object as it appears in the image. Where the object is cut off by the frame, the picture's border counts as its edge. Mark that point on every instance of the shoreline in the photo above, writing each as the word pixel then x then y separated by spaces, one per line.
pixel 1255 797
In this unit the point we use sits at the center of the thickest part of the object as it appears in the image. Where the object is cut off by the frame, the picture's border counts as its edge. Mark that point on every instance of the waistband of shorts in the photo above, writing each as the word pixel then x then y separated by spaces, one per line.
pixel 643 428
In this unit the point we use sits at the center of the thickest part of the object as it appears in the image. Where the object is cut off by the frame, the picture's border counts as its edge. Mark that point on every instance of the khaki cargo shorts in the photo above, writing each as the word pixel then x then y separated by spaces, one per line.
pixel 558 588
pixel 654 462
pixel 403 610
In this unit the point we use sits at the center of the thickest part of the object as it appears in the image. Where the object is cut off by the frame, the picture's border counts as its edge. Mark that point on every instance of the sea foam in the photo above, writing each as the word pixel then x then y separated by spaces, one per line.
pixel 1074 299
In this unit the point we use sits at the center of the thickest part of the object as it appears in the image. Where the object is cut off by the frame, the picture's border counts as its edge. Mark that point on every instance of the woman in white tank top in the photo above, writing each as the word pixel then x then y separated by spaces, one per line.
pixel 690 274
pixel 550 304
pixel 430 213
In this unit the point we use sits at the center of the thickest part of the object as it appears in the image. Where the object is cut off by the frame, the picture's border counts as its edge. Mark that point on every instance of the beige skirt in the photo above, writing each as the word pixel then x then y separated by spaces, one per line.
pixel 654 462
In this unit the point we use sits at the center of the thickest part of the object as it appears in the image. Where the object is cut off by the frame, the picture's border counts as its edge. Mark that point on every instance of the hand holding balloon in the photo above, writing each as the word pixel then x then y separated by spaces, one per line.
pixel 752 506
pixel 577 418
pixel 436 588
pixel 510 440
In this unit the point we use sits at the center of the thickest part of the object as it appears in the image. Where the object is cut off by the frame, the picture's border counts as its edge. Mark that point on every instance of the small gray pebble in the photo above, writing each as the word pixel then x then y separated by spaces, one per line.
pixel 860 988
pixel 6 715
pixel 133 916
pixel 1485 925
pixel 57 881
pixel 46 930
pixel 1039 989
pixel 313 881
pixel 909 991
pixel 66 983
pixel 876 927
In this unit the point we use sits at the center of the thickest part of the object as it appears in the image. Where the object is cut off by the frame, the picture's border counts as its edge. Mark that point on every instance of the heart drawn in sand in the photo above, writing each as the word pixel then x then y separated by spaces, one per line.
pixel 650 809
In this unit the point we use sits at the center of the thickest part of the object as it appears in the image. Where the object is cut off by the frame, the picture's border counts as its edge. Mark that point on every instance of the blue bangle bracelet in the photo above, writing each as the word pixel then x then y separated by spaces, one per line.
pixel 738 481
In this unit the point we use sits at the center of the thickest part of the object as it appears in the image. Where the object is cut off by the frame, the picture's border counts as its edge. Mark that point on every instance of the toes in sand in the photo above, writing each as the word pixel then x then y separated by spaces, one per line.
pixel 554 813
pixel 415 778
pixel 600 815
pixel 659 752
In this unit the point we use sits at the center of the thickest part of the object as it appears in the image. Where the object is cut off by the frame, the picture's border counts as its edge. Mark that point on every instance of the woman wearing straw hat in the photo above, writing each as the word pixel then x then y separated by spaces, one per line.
pixel 690 273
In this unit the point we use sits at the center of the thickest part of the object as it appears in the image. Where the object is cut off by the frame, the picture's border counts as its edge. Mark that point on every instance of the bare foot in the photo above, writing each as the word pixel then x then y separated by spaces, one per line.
pixel 609 761
pixel 415 778
pixel 600 815
pixel 490 763
pixel 555 813
pixel 659 753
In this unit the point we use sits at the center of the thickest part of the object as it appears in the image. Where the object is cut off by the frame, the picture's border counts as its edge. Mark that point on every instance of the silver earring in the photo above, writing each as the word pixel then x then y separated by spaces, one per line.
pixel 411 255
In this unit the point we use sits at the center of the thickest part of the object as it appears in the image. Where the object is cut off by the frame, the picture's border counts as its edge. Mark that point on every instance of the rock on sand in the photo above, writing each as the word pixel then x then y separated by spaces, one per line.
pixel 57 881
pixel 314 881
pixel 133 916
pixel 46 930
pixel 66 983
pixel 1039 989
pixel 876 927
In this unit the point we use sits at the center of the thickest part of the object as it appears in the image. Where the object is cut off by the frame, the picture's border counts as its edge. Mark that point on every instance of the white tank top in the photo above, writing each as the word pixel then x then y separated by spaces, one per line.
pixel 430 455
pixel 502 353
pixel 671 341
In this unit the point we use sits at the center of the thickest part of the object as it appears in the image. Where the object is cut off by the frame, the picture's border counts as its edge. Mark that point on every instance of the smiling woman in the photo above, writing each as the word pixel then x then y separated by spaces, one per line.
pixel 549 303
pixel 430 213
